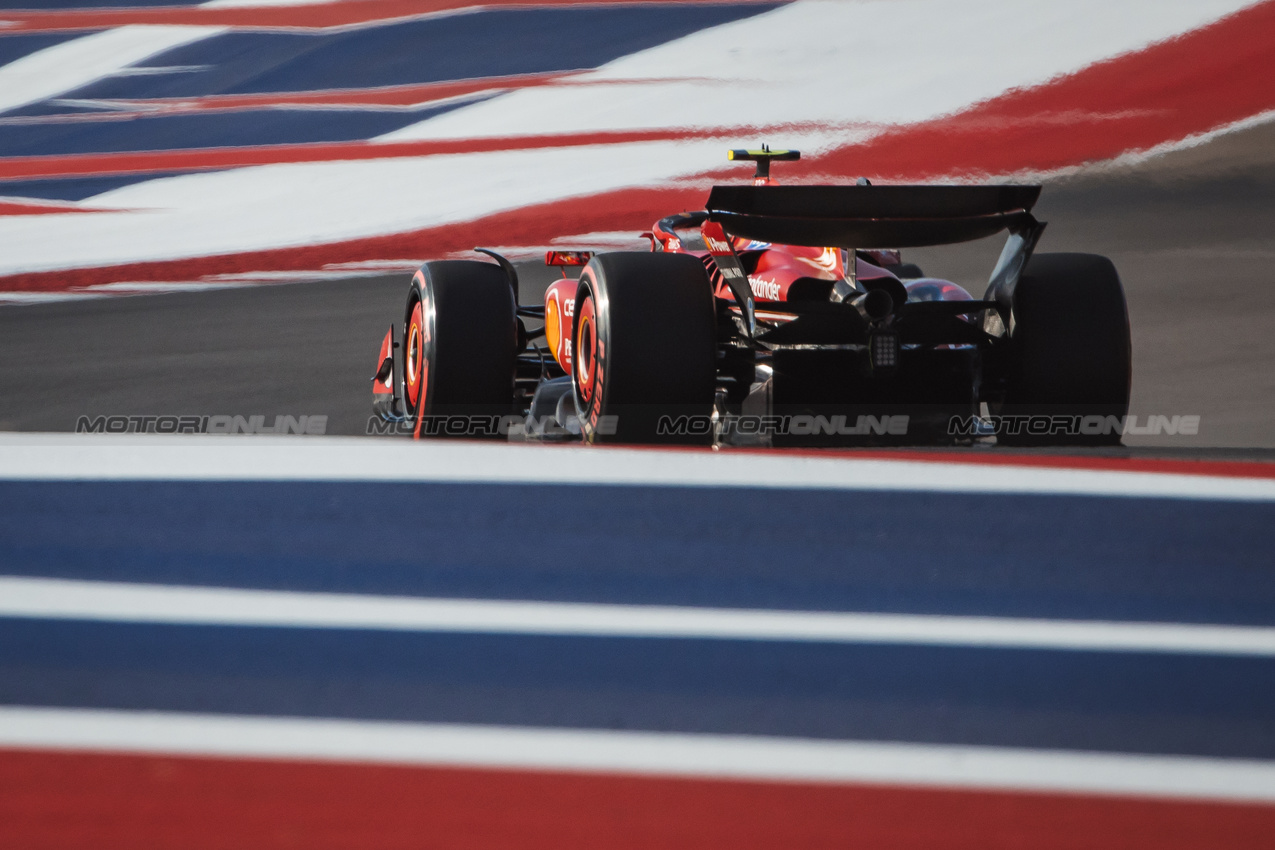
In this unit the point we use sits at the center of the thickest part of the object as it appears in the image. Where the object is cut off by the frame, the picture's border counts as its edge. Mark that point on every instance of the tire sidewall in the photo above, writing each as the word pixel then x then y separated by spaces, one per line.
pixel 421 294
pixel 590 412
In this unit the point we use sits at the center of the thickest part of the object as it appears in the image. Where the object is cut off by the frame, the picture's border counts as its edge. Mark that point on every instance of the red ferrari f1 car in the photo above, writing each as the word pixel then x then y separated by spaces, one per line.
pixel 777 315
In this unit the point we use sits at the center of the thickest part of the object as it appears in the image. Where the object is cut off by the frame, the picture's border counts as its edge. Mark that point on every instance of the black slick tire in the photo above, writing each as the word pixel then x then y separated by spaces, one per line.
pixel 459 348
pixel 1069 352
pixel 644 349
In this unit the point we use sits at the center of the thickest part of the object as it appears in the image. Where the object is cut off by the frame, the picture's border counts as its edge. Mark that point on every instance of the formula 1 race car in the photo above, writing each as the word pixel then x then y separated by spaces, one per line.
pixel 778 315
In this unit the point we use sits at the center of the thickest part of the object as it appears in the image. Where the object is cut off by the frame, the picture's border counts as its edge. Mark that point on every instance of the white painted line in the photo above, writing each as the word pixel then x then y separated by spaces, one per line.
pixel 102 457
pixel 159 286
pixel 141 603
pixel 158 70
pixel 18 298
pixel 647 753
pixel 225 4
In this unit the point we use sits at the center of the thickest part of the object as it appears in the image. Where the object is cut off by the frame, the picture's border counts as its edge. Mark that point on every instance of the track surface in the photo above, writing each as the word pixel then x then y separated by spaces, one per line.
pixel 336 642
pixel 1189 231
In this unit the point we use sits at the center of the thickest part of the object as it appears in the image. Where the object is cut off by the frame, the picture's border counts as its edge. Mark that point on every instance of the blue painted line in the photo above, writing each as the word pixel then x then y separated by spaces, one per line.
pixel 1023 698
pixel 997 555
pixel 454 47
pixel 205 130
pixel 76 188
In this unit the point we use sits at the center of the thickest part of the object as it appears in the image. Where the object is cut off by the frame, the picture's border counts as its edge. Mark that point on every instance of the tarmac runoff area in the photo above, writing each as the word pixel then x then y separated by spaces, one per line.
pixel 1189 231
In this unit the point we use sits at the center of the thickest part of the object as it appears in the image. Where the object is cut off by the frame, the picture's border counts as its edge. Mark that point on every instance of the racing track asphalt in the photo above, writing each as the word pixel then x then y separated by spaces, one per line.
pixel 1189 232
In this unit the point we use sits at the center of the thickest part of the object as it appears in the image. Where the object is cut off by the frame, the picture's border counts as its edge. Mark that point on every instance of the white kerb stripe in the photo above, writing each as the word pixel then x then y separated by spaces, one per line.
pixel 139 603
pixel 648 753
pixel 88 457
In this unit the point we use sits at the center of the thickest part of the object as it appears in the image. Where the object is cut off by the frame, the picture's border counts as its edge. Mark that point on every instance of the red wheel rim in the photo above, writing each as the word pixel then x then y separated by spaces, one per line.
pixel 586 349
pixel 417 368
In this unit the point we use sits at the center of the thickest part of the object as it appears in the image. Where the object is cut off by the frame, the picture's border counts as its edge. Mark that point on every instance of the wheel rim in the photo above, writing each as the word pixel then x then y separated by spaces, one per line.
pixel 586 349
pixel 417 367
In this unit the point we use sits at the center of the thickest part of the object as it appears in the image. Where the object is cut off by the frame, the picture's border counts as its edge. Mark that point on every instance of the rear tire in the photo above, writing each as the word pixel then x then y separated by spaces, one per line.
pixel 645 349
pixel 1069 349
pixel 459 348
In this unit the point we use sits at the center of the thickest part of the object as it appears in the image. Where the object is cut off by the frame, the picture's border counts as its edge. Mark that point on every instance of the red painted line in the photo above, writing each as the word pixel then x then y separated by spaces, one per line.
pixel 64 800
pixel 308 17
pixel 37 208
pixel 1173 466
pixel 1053 459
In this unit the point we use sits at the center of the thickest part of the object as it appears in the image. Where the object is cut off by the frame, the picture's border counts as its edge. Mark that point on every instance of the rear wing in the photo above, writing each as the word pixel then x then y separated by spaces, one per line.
pixel 868 216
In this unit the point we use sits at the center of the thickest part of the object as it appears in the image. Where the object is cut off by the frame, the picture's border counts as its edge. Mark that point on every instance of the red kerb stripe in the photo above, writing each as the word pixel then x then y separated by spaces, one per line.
pixel 54 799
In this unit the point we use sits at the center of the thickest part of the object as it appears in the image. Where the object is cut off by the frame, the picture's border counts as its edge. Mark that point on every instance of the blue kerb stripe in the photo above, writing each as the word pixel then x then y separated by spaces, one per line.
pixel 997 555
pixel 1023 698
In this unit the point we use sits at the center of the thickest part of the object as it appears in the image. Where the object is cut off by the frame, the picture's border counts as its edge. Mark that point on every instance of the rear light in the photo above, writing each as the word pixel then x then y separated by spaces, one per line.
pixel 568 258
pixel 883 351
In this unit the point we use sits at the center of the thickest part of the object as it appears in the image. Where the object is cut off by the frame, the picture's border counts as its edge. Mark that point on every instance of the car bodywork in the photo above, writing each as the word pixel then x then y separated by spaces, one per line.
pixel 824 335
